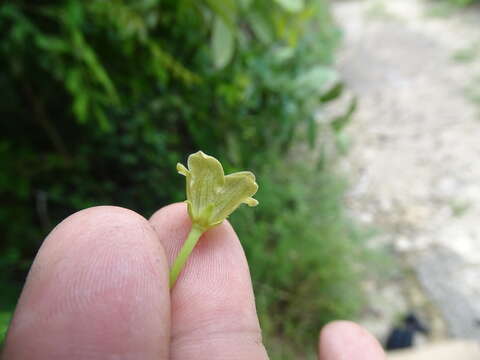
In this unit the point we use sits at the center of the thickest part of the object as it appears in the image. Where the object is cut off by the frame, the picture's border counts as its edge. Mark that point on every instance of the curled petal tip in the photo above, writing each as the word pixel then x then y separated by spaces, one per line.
pixel 251 201
pixel 182 169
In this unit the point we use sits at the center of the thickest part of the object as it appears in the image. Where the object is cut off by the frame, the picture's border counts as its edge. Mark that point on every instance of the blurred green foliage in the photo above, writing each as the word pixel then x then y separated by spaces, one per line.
pixel 100 99
pixel 461 2
pixel 304 253
pixel 4 321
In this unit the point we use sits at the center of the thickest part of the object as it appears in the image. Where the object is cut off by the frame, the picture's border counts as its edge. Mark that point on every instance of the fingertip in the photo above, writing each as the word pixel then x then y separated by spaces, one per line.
pixel 213 308
pixel 98 288
pixel 347 340
pixel 216 261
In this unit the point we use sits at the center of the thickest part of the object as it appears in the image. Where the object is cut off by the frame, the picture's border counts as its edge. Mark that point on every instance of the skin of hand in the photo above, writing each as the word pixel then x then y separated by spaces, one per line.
pixel 98 289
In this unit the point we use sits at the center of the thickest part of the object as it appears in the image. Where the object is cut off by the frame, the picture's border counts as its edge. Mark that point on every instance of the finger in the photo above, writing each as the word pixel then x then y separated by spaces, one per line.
pixel 98 289
pixel 213 308
pixel 341 340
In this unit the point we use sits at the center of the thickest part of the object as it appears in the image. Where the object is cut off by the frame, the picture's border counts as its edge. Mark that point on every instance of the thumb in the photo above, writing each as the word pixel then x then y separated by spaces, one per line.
pixel 342 340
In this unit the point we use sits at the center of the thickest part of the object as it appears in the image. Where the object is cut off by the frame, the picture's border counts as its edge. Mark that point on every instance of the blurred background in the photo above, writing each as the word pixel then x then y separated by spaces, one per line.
pixel 359 118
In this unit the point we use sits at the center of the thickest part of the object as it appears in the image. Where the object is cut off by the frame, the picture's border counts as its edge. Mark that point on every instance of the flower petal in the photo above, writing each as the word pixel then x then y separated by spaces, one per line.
pixel 207 179
pixel 182 169
pixel 238 188
pixel 250 201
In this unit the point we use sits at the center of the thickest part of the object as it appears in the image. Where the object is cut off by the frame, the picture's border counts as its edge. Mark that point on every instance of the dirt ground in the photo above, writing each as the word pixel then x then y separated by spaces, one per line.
pixel 414 158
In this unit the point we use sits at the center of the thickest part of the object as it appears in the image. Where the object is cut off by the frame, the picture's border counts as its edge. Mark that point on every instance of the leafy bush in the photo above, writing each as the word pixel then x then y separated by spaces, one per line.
pixel 104 97
pixel 304 254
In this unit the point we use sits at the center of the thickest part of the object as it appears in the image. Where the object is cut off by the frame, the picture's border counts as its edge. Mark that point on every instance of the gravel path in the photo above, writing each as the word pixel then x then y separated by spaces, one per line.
pixel 415 154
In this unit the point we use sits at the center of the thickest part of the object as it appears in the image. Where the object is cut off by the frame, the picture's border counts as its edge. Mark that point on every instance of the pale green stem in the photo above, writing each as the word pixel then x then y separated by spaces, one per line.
pixel 184 253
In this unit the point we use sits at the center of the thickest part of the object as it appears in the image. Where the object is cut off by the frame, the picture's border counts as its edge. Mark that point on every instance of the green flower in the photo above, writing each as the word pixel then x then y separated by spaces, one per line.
pixel 212 196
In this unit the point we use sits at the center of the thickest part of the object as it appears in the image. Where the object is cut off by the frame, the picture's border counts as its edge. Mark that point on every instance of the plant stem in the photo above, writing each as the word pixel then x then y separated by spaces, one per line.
pixel 185 251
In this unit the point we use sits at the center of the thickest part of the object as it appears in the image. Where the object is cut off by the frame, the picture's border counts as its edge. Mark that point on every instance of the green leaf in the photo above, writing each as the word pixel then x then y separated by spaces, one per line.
pixel 245 4
pixel 52 44
pixel 282 54
pixel 223 43
pixel 226 9
pixel 312 129
pixel 292 5
pixel 341 121
pixel 4 322
pixel 335 92
pixel 80 106
pixel 260 26
pixel 318 79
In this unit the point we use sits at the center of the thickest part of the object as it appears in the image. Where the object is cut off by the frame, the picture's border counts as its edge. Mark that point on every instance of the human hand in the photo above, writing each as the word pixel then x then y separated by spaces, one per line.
pixel 98 289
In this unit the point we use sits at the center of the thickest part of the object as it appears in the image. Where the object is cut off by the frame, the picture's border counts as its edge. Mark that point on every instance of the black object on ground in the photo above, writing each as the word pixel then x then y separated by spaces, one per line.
pixel 402 336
